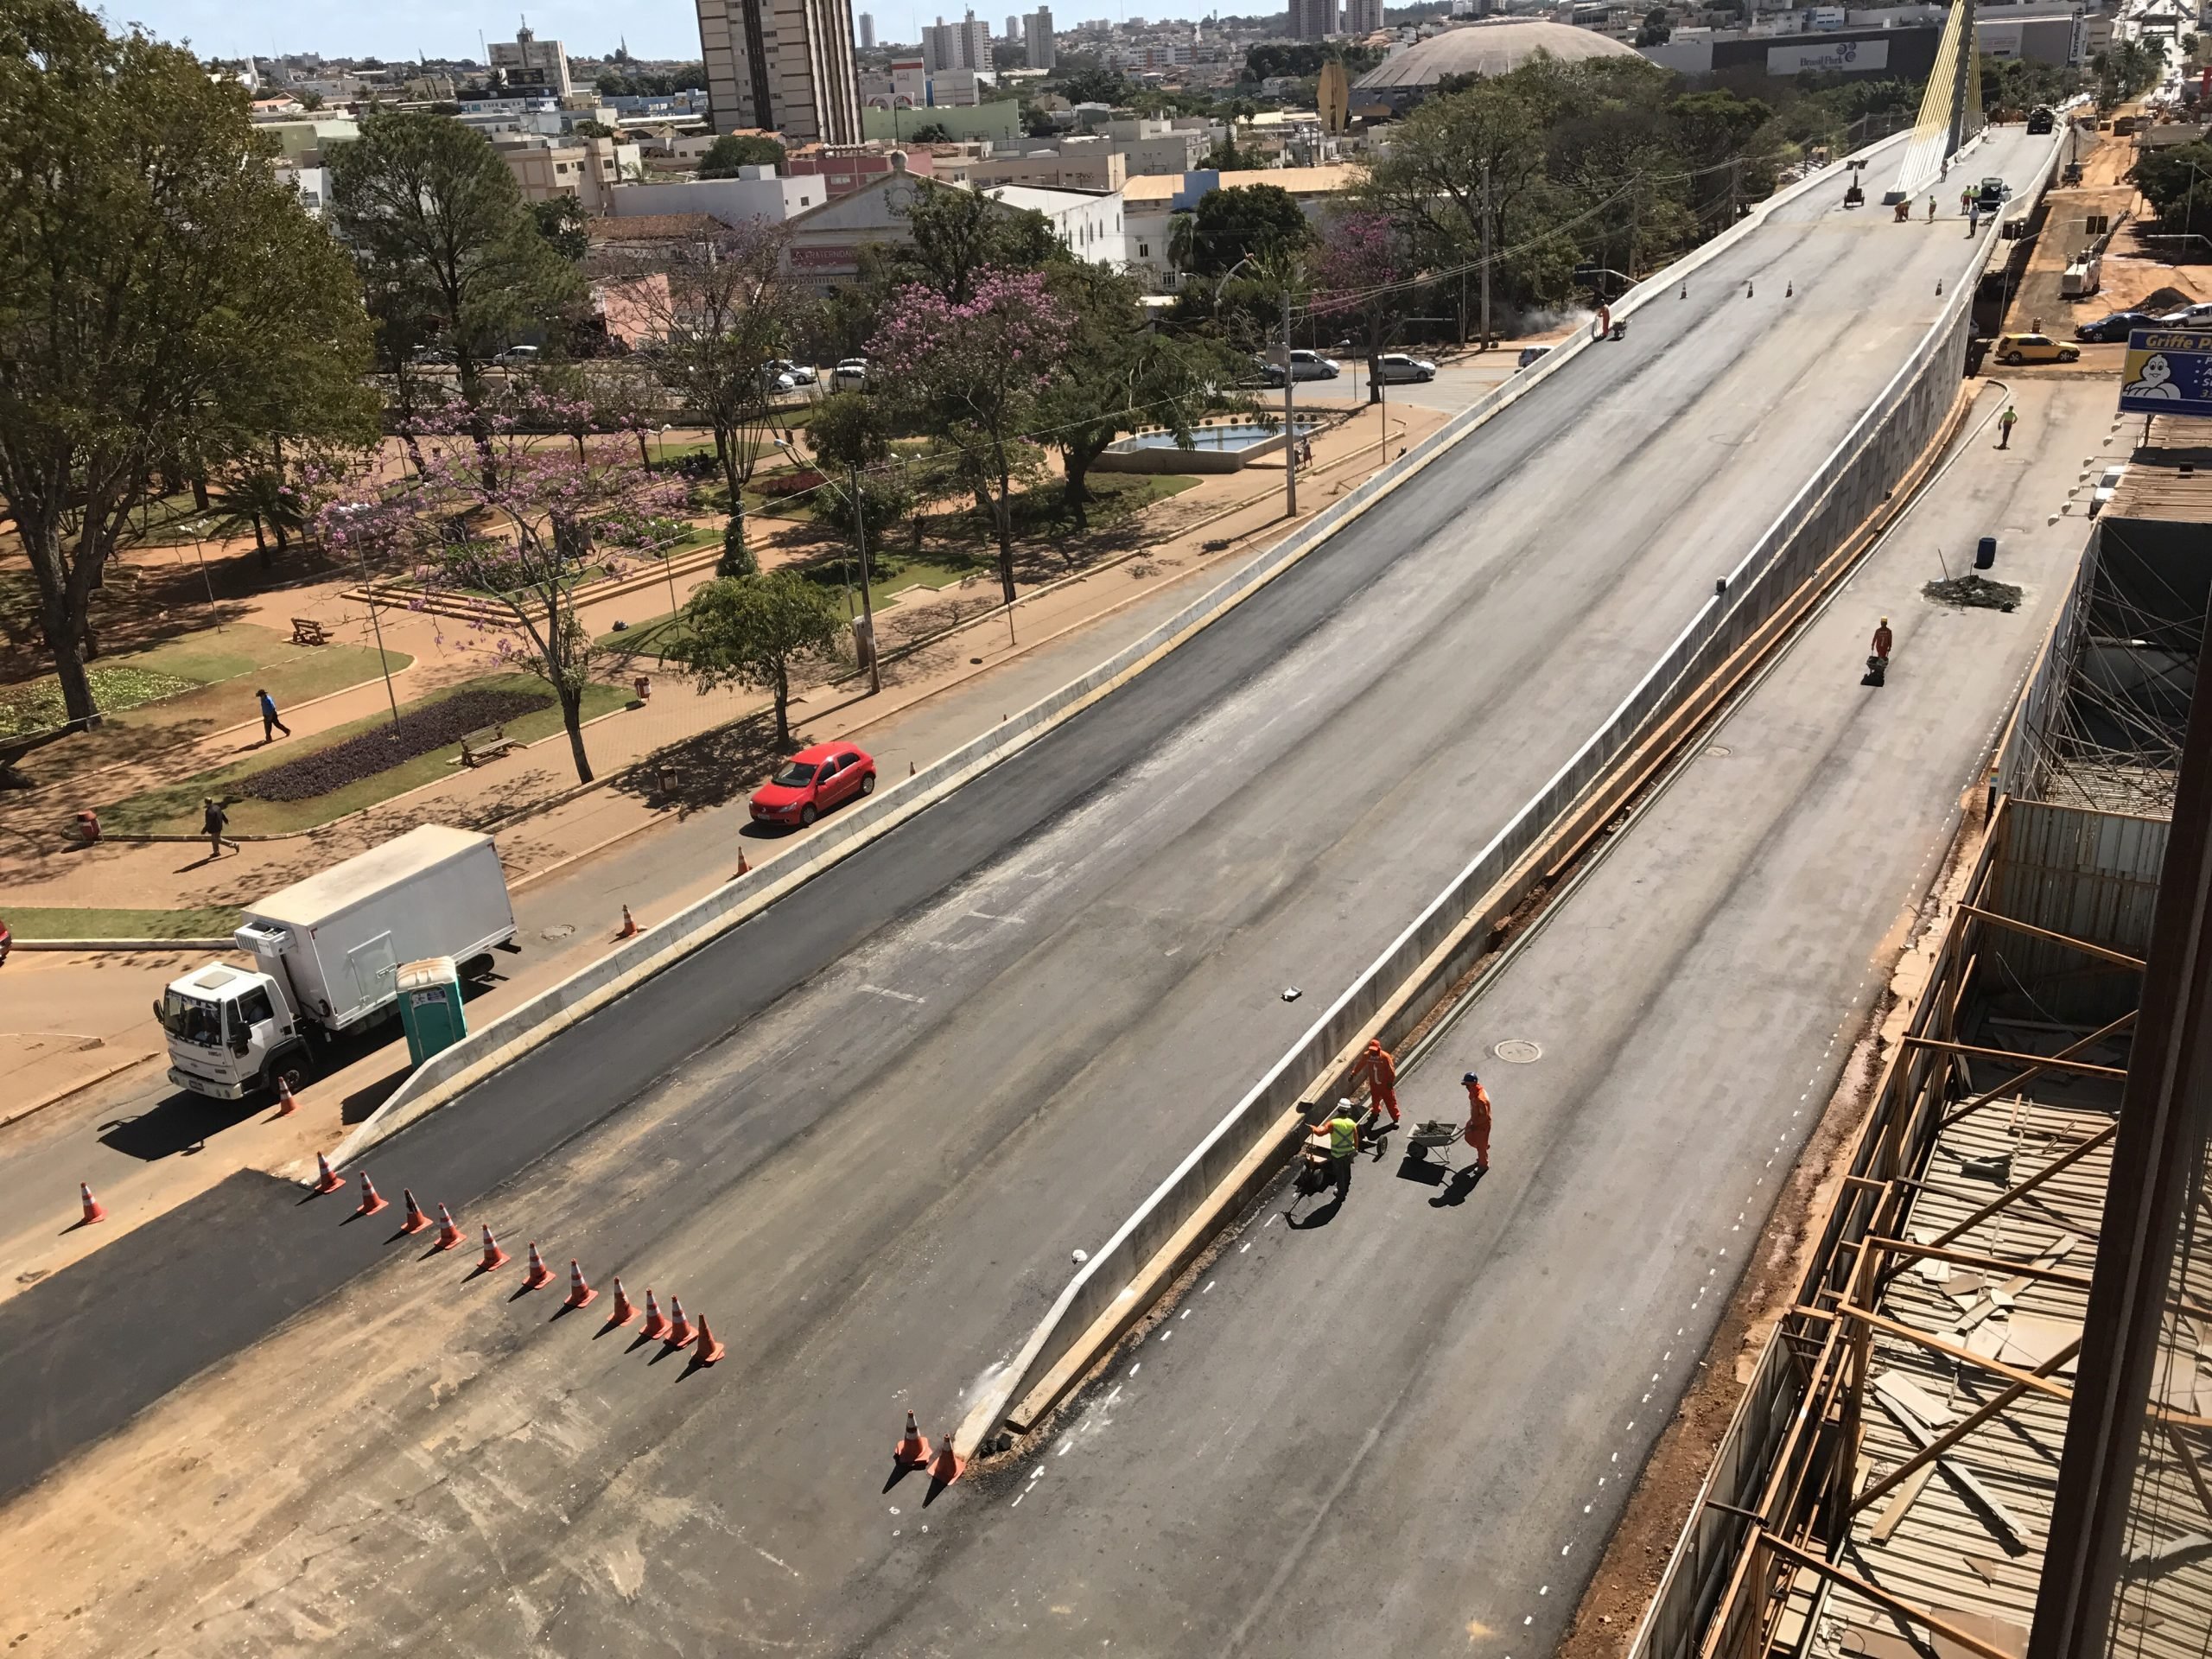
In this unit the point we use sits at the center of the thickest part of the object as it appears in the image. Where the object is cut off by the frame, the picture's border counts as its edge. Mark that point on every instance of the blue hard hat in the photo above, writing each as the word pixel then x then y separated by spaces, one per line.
pixel 1470 1077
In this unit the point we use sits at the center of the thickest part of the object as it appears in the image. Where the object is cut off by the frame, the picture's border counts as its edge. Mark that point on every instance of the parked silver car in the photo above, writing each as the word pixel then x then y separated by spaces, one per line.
pixel 849 375
pixel 1304 365
pixel 1395 366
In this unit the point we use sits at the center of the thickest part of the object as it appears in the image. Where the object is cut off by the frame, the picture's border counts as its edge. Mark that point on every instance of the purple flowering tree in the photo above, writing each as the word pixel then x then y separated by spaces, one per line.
pixel 563 506
pixel 971 373
pixel 1360 255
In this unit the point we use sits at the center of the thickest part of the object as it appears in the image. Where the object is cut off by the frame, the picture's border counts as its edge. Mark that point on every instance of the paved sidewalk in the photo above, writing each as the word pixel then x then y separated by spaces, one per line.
pixel 145 1148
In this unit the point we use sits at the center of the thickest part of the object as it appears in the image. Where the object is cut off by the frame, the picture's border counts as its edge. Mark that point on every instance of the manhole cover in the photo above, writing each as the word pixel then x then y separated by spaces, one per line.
pixel 1718 748
pixel 558 930
pixel 1518 1051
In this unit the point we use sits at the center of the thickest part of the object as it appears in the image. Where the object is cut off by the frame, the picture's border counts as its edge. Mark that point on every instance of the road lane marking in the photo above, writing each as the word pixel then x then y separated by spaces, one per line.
pixel 884 990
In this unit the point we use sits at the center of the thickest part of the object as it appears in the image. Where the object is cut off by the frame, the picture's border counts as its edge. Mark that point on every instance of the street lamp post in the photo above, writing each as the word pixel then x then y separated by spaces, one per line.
pixel 200 552
pixel 369 597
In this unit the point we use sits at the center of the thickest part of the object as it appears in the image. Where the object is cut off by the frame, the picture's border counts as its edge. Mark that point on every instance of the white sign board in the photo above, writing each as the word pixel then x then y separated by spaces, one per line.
pixel 1837 57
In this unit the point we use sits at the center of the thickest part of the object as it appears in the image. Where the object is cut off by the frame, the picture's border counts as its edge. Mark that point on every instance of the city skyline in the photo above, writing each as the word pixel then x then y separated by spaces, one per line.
pixel 403 30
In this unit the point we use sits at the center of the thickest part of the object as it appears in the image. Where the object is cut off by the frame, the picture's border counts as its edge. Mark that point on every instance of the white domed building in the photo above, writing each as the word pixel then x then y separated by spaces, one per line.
pixel 1493 46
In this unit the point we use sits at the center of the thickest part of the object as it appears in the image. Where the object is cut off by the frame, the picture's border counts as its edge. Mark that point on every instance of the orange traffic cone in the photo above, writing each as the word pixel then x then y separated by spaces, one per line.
pixel 709 1349
pixel 679 1331
pixel 655 1325
pixel 494 1256
pixel 370 1202
pixel 629 927
pixel 326 1178
pixel 621 1313
pixel 743 868
pixel 948 1464
pixel 913 1449
pixel 539 1274
pixel 910 768
pixel 92 1211
pixel 416 1220
pixel 449 1235
pixel 285 1104
pixel 580 1293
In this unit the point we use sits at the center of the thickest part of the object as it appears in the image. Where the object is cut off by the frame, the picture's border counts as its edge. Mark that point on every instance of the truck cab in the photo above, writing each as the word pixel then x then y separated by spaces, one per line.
pixel 232 1032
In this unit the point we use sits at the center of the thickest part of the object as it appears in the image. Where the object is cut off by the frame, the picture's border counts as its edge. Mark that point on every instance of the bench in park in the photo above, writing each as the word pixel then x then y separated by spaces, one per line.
pixel 306 631
pixel 487 744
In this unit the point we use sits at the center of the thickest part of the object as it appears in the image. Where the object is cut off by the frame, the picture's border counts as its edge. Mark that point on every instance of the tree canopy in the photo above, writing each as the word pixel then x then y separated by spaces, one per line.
pixel 166 307
pixel 1260 221
pixel 734 150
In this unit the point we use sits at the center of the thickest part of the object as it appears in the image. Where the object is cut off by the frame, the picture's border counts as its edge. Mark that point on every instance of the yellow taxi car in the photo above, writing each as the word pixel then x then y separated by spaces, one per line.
pixel 2015 349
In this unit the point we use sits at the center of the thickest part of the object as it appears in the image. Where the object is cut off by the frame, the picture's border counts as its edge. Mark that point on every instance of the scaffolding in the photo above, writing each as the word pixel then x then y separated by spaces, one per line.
pixel 1889 1482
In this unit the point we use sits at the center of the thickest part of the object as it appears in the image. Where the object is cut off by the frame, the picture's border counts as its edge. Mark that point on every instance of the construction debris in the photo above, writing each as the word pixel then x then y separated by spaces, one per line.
pixel 1971 590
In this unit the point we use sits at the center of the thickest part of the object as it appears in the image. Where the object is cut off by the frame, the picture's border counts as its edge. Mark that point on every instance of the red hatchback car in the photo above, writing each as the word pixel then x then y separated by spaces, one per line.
pixel 811 782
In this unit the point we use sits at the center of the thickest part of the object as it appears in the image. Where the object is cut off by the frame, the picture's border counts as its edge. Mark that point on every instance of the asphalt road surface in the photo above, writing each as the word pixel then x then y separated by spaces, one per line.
pixel 864 1131
pixel 1391 1428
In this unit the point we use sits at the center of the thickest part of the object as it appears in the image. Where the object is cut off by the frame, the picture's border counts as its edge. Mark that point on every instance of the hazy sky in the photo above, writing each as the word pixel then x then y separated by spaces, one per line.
pixel 401 29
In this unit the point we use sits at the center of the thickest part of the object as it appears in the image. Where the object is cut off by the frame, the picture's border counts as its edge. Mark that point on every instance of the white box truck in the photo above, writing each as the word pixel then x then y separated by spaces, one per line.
pixel 325 954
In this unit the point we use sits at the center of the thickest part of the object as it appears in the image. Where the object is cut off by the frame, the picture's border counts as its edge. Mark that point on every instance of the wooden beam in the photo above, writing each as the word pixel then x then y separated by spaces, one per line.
pixel 1995 1367
pixel 1882 1597
pixel 1950 1437
pixel 2043 1062
pixel 2189 1464
pixel 1976 1258
pixel 2065 1161
pixel 2102 952
pixel 2011 1083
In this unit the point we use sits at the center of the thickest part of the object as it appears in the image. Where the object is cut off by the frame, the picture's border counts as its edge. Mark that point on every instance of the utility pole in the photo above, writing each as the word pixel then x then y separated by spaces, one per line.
pixel 868 600
pixel 1735 164
pixel 1485 256
pixel 1289 412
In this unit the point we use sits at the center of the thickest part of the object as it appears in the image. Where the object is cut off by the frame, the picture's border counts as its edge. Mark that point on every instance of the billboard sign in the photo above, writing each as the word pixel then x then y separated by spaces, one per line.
pixel 2168 372
pixel 1828 57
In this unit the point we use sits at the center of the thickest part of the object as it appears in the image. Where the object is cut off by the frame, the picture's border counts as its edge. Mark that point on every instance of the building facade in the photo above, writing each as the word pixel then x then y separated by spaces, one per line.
pixel 588 169
pixel 1037 38
pixel 867 23
pixel 1362 17
pixel 964 45
pixel 1313 20
pixel 527 63
pixel 785 66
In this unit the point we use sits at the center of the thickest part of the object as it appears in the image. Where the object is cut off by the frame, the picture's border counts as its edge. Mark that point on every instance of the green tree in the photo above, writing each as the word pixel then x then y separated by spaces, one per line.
pixel 727 309
pixel 2178 181
pixel 440 234
pixel 562 223
pixel 849 438
pixel 163 299
pixel 753 631
pixel 734 150
pixel 1259 222
pixel 1658 28
pixel 1113 375
pixel 953 235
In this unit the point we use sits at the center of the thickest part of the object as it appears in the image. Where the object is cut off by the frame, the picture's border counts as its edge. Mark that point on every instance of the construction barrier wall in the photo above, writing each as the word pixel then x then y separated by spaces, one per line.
pixel 514 1034
pixel 1847 489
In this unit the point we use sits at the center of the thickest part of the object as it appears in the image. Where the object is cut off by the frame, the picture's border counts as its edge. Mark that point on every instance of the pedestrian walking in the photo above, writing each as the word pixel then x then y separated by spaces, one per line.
pixel 1883 639
pixel 1931 210
pixel 270 725
pixel 1379 1070
pixel 212 821
pixel 1965 200
pixel 1477 1134
pixel 1973 220
pixel 1342 1130
pixel 2005 424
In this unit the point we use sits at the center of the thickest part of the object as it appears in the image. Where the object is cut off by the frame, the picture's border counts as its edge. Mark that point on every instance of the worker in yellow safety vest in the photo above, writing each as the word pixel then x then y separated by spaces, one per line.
pixel 1342 1129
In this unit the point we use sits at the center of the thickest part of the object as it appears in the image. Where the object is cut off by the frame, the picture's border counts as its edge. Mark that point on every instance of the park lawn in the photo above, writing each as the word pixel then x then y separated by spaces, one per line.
pixel 59 922
pixel 174 809
pixel 245 652
pixel 188 684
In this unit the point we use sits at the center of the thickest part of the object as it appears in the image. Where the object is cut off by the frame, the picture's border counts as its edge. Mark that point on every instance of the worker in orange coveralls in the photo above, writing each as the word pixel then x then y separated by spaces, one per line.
pixel 1477 1134
pixel 1381 1072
